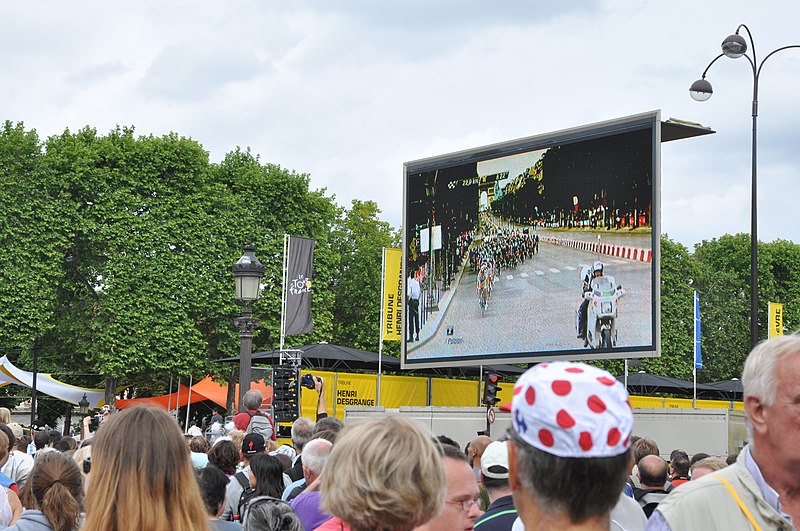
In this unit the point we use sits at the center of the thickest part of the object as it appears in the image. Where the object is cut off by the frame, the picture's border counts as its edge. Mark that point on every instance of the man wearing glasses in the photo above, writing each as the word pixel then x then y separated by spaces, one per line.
pixel 460 507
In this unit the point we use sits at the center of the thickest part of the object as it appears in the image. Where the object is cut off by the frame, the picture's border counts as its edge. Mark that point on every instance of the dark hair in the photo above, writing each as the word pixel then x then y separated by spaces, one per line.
pixel 580 488
pixel 269 475
pixel 681 465
pixel 55 488
pixel 328 423
pixel 25 441
pixel 697 457
pixel 12 440
pixel 444 439
pixel 731 459
pixel 653 474
pixel 284 460
pixel 212 482
pixel 449 449
pixel 62 445
pixel 328 435
pixel 224 456
pixel 495 483
pixel 55 436
pixel 644 447
pixel 263 512
pixel 198 444
pixel 41 439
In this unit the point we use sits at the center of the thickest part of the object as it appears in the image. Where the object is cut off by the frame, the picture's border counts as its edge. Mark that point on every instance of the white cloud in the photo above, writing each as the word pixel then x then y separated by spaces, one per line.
pixel 348 91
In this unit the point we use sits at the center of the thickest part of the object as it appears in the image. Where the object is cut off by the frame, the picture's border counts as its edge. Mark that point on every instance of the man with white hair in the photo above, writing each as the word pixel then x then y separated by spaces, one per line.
pixel 569 451
pixel 308 503
pixel 761 490
pixel 315 454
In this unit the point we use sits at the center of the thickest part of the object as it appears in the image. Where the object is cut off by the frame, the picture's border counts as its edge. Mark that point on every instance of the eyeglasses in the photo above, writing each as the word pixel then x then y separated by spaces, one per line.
pixel 466 505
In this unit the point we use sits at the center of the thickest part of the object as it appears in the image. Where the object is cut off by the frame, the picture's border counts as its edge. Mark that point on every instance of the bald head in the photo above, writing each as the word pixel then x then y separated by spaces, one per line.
pixel 652 471
pixel 476 448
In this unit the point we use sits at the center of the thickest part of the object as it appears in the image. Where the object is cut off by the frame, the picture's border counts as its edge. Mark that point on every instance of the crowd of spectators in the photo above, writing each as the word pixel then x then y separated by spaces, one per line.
pixel 569 461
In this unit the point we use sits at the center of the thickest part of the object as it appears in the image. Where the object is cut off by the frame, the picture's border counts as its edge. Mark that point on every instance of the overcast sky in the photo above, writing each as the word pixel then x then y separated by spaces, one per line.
pixel 347 91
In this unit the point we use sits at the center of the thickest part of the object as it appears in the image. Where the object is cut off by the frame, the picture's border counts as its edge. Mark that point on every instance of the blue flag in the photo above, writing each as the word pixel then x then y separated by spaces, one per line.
pixel 698 354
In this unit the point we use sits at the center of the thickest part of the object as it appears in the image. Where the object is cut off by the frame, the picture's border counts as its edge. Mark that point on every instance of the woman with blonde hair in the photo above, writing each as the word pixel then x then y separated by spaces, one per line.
pixel 53 495
pixel 382 474
pixel 142 477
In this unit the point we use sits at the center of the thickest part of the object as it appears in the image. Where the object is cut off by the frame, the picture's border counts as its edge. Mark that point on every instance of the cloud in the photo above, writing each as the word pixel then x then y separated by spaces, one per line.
pixel 347 91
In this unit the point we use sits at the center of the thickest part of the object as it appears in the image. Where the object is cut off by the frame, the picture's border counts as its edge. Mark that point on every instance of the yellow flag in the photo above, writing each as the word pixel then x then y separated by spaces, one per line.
pixel 775 319
pixel 392 304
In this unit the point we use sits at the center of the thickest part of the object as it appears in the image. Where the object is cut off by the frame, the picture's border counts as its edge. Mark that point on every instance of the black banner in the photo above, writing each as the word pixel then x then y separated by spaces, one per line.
pixel 298 289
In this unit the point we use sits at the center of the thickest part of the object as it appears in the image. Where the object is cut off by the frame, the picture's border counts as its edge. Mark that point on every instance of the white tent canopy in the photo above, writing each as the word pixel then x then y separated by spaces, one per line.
pixel 9 374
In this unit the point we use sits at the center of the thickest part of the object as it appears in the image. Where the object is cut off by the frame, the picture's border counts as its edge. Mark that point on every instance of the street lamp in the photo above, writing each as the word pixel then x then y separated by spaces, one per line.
pixel 247 272
pixel 735 46
pixel 83 405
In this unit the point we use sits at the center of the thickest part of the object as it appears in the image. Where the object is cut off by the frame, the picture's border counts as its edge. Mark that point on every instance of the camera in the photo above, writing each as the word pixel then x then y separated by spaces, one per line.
pixel 308 381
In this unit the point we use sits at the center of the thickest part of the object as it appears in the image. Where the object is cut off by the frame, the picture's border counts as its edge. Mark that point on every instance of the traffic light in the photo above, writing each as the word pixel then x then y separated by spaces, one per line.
pixel 490 388
pixel 285 393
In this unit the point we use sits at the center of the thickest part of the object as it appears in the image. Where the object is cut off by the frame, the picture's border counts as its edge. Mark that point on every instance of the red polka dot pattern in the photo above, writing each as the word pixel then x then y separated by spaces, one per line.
pixel 585 441
pixel 606 380
pixel 564 419
pixel 613 436
pixel 530 396
pixel 596 404
pixel 561 387
pixel 572 410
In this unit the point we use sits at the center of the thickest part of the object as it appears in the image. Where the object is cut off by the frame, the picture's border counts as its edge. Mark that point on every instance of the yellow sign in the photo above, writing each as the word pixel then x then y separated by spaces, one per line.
pixel 775 319
pixel 392 303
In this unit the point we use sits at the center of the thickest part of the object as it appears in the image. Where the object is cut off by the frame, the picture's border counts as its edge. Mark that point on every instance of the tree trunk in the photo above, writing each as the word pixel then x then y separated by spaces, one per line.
pixel 229 401
pixel 111 392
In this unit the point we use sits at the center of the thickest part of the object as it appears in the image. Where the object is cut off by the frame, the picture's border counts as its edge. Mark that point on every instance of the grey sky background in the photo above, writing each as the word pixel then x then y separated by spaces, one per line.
pixel 347 91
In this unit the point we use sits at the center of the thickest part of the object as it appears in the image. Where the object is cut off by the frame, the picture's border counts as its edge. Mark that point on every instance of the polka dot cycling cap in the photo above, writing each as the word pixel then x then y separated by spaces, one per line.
pixel 572 410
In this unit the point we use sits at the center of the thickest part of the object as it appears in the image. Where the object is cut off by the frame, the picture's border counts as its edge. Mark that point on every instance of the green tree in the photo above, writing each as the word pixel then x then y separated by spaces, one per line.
pixel 358 242
pixel 724 287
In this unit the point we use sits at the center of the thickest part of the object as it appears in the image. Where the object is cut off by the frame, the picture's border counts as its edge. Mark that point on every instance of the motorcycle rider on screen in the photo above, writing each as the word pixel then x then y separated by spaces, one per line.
pixel 595 272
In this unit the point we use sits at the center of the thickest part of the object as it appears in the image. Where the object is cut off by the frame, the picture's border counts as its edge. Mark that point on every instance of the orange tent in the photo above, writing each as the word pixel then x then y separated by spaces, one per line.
pixel 206 389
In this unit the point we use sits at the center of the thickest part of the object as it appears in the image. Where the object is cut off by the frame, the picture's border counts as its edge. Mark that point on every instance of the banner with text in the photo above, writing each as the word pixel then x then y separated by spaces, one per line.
pixel 392 295
pixel 298 289
pixel 775 319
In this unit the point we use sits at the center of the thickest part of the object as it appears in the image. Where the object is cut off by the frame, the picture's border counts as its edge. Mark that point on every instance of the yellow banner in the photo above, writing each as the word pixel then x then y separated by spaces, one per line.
pixel 392 304
pixel 775 319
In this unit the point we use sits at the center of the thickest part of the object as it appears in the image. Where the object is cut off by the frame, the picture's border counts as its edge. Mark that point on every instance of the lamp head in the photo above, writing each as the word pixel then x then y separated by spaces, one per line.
pixel 734 46
pixel 700 90
pixel 247 272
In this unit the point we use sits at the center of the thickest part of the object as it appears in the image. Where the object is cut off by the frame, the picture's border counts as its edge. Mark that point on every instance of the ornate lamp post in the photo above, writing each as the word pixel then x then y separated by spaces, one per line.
pixel 247 272
pixel 83 405
pixel 735 46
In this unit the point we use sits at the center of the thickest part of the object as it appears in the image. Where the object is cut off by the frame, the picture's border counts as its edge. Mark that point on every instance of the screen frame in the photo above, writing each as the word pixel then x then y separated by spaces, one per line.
pixel 652 120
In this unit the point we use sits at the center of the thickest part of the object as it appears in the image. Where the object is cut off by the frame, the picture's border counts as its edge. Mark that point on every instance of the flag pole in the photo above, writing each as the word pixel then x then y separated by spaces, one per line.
pixel 697 352
pixel 283 290
pixel 188 404
pixel 380 333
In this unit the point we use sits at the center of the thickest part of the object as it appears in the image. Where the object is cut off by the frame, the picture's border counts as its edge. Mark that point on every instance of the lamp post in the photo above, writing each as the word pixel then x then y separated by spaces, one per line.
pixel 247 271
pixel 735 46
pixel 83 405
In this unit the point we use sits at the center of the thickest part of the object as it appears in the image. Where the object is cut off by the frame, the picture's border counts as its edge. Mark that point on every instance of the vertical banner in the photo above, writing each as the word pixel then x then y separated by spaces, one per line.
pixel 698 355
pixel 392 305
pixel 298 288
pixel 775 319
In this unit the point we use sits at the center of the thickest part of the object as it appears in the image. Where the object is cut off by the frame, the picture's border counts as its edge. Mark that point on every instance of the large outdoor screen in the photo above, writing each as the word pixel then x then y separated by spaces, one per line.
pixel 513 251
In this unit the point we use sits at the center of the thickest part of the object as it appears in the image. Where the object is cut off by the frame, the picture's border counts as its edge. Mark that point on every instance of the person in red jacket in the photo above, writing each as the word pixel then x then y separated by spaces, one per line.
pixel 252 402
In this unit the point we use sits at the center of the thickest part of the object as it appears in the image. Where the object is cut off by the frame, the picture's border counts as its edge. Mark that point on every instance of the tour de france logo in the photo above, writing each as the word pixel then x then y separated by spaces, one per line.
pixel 300 285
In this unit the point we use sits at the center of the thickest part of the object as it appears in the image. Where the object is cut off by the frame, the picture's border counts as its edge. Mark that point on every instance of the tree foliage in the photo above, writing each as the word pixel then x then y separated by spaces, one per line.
pixel 358 241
